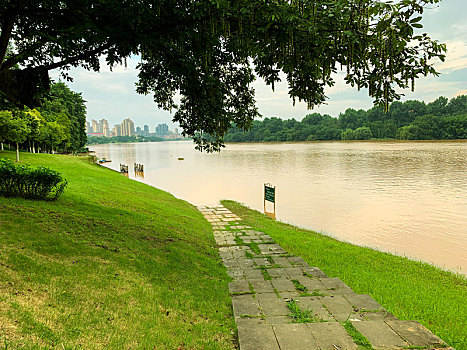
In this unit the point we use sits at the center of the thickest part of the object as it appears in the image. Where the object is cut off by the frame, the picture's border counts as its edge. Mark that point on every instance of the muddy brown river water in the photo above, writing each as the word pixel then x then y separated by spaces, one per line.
pixel 408 198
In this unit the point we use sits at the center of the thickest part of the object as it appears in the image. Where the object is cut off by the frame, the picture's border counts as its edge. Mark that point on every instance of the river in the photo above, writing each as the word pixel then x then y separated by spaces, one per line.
pixel 408 198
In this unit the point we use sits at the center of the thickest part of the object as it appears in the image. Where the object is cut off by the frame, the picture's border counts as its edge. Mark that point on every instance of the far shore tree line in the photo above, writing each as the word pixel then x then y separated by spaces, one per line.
pixel 57 126
pixel 410 120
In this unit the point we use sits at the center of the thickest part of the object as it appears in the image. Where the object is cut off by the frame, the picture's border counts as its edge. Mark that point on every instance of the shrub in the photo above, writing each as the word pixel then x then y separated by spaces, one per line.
pixel 27 182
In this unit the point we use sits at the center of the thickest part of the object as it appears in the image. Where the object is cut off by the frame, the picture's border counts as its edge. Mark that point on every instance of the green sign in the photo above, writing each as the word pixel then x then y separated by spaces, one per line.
pixel 269 194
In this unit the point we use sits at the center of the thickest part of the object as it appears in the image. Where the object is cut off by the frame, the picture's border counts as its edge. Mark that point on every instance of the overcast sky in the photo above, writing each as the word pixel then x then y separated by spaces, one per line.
pixel 111 95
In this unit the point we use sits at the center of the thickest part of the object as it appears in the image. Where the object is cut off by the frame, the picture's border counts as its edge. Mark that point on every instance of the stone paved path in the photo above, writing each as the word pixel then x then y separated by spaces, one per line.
pixel 268 283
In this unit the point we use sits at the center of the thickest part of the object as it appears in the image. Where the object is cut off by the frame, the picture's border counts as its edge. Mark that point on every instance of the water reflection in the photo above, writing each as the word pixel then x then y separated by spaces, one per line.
pixel 409 198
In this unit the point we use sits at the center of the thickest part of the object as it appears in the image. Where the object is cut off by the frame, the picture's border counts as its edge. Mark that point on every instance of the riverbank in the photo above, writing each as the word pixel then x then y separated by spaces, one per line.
pixel 406 288
pixel 112 264
pixel 117 264
pixel 406 198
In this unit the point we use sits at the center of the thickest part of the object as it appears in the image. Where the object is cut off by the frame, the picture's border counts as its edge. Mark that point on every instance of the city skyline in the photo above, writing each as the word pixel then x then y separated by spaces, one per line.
pixel 100 128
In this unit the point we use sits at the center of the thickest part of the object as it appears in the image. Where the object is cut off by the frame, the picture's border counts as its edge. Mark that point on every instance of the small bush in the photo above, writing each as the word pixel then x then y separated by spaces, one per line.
pixel 27 182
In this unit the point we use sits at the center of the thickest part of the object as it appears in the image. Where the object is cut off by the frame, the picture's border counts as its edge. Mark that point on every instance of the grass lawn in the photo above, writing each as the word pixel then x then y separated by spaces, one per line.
pixel 113 264
pixel 410 290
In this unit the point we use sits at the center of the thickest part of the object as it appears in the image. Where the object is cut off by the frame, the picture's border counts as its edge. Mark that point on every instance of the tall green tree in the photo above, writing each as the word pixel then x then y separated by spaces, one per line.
pixel 68 109
pixel 5 120
pixel 18 132
pixel 352 119
pixel 457 105
pixel 34 121
pixel 211 50
pixel 438 106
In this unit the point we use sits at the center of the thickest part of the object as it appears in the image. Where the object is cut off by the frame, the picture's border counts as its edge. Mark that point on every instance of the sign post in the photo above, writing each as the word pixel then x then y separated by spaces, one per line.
pixel 270 196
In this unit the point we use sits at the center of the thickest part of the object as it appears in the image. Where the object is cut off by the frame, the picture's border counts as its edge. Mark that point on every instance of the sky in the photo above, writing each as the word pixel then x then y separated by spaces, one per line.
pixel 111 94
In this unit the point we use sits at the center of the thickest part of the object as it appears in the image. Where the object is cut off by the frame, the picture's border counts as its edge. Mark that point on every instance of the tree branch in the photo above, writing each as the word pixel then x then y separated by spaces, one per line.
pixel 70 60
pixel 17 58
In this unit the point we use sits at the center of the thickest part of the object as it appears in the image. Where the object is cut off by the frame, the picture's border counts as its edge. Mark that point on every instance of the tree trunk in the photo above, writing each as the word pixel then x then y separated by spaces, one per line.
pixel 17 152
pixel 2 145
pixel 33 147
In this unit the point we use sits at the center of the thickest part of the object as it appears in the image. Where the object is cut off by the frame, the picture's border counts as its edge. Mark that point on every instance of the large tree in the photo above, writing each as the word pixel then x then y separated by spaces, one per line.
pixel 18 132
pixel 68 109
pixel 210 50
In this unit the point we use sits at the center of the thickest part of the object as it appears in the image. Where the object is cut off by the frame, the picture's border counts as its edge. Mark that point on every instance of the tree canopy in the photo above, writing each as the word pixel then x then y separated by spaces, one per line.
pixel 58 125
pixel 210 51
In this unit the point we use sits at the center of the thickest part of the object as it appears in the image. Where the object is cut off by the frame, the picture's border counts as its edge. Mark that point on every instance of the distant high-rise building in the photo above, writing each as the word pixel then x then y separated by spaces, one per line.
pixel 94 127
pixel 146 130
pixel 117 130
pixel 162 130
pixel 88 127
pixel 104 127
pixel 128 127
pixel 139 132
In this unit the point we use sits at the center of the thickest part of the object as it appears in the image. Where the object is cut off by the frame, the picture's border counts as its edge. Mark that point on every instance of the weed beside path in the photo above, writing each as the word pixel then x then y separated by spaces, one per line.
pixel 113 264
pixel 406 288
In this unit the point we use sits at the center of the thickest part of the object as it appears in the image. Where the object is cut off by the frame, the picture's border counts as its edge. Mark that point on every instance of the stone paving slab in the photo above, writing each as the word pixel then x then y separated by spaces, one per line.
pixel 378 316
pixel 331 336
pixel 261 262
pixel 230 263
pixel 293 272
pixel 380 335
pixel 235 273
pixel 282 262
pixel 338 306
pixel 273 320
pixel 414 333
pixel 257 337
pixel 297 261
pixel 259 300
pixel 244 262
pixel 363 302
pixel 283 285
pixel 314 272
pixel 315 305
pixel 253 274
pixel 277 273
pixel 294 336
pixel 336 286
pixel 245 305
pixel 313 285
pixel 271 305
pixel 261 286
pixel 240 286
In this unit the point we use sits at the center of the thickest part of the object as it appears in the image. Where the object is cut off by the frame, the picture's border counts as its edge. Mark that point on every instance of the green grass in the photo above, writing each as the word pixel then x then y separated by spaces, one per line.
pixel 113 264
pixel 299 315
pixel 252 245
pixel 358 337
pixel 409 289
pixel 265 272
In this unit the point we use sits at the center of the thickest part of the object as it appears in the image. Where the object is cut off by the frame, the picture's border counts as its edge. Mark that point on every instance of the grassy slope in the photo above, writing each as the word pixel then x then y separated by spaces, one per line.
pixel 113 264
pixel 409 289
